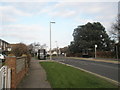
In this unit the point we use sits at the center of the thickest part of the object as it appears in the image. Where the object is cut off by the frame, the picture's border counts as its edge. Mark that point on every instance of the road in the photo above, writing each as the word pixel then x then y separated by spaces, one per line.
pixel 109 70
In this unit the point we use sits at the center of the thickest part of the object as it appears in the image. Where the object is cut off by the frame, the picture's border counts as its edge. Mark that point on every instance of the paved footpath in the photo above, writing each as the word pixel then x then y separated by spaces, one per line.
pixel 98 59
pixel 36 77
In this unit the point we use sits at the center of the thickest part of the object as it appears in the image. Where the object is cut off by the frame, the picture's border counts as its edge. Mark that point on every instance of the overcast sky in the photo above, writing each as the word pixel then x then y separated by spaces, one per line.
pixel 29 22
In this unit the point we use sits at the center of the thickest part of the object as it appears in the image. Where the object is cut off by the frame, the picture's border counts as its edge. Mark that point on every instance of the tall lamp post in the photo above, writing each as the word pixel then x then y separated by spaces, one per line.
pixel 50 41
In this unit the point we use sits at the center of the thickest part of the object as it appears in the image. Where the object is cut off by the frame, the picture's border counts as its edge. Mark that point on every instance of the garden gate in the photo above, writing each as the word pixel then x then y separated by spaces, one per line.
pixel 5 77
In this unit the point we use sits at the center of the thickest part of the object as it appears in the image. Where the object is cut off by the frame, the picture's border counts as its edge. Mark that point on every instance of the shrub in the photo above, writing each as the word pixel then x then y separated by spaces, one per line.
pixel 105 54
pixel 78 55
pixel 28 59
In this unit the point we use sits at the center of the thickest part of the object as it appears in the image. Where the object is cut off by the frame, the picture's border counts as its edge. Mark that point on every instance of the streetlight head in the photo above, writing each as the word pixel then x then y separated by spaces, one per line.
pixel 52 22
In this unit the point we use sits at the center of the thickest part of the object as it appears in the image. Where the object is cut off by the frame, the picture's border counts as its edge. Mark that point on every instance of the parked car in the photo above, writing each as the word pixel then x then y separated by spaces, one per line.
pixel 41 54
pixel 2 57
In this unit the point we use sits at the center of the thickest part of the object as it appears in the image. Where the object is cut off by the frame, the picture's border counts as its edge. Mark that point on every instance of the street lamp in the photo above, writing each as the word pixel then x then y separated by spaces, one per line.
pixel 95 50
pixel 50 41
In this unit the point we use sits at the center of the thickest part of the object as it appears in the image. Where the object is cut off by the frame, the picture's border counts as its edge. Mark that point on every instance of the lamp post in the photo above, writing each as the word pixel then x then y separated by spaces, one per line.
pixel 95 50
pixel 50 41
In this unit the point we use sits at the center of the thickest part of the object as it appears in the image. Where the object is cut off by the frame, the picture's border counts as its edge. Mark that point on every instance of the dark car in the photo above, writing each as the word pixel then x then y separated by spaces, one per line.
pixel 41 54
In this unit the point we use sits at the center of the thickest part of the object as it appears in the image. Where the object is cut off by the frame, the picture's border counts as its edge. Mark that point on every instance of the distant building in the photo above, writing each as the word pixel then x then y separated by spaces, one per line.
pixel 54 53
pixel 3 45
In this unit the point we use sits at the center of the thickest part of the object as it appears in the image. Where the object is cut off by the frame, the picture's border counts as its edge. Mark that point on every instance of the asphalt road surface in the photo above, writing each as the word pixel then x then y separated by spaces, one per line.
pixel 109 70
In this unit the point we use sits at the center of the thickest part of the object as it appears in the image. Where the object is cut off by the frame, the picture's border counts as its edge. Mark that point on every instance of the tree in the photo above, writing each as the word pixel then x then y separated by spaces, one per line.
pixel 33 47
pixel 88 35
pixel 115 32
pixel 64 49
pixel 19 49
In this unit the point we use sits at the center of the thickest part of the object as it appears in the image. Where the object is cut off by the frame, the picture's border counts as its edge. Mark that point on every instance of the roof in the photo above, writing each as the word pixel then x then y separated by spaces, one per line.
pixel 4 41
pixel 12 45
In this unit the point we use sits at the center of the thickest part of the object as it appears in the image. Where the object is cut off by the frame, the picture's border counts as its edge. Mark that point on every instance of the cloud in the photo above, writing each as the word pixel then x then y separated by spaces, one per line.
pixel 7 18
pixel 22 28
pixel 60 0
pixel 18 36
pixel 68 9
pixel 21 32
pixel 82 7
pixel 66 14
pixel 10 14
pixel 105 13
pixel 28 7
pixel 10 10
pixel 63 13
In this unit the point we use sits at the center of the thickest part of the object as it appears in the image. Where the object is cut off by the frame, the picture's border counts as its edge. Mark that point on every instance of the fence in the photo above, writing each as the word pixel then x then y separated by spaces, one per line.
pixel 20 64
pixel 5 77
pixel 19 68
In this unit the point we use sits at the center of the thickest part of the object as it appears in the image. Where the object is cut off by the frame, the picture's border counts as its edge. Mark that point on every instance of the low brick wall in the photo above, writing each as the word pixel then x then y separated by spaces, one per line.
pixel 21 75
pixel 18 72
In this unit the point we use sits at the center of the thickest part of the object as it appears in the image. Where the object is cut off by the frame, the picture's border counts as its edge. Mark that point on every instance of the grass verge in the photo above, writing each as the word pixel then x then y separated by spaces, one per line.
pixel 62 76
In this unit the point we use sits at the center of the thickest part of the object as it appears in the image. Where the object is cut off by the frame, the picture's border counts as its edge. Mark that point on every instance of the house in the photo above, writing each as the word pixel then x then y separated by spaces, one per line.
pixel 3 46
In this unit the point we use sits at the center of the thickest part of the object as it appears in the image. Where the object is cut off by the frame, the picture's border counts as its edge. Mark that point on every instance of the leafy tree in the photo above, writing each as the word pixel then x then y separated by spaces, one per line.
pixel 64 49
pixel 88 35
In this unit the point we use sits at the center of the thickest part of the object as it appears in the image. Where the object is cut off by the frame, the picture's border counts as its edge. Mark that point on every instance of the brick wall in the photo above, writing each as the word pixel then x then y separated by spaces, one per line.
pixel 16 77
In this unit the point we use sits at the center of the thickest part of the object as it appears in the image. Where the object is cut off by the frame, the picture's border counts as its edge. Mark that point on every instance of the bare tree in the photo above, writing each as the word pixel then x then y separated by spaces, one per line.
pixel 33 47
pixel 115 32
pixel 44 46
pixel 19 49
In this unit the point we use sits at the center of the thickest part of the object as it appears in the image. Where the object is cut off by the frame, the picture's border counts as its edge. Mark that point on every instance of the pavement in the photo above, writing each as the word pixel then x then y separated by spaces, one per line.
pixel 115 61
pixel 36 77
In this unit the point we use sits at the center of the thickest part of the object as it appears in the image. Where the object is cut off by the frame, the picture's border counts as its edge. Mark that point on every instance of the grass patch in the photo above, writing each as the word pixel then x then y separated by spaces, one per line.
pixel 62 76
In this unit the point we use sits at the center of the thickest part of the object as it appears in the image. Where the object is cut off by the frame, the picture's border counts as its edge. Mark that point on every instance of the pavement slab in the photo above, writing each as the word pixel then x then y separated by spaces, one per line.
pixel 36 77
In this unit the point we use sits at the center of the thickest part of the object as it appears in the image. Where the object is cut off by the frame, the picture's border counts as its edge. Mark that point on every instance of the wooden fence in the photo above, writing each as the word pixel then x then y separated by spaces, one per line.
pixel 5 77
